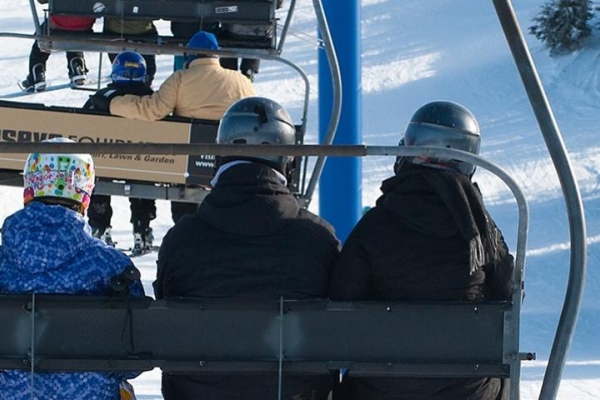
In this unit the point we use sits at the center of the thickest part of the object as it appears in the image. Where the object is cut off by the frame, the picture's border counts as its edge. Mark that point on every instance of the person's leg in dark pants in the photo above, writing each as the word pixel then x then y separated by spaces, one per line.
pixel 229 63
pixel 150 67
pixel 142 212
pixel 99 214
pixel 250 67
pixel 37 56
pixel 36 74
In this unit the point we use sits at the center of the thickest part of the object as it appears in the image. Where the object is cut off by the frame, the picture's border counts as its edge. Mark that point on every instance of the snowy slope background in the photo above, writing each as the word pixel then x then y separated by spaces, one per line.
pixel 413 52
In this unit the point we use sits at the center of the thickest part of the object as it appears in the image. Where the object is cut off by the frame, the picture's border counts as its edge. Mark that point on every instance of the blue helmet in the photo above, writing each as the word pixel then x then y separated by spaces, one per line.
pixel 201 40
pixel 128 67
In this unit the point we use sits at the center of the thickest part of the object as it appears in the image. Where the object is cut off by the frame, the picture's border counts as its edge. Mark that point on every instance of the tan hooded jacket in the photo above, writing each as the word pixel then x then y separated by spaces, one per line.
pixel 205 90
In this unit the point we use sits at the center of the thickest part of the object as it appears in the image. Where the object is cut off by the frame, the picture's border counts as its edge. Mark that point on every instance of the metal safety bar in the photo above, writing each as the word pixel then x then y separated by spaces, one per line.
pixel 403 338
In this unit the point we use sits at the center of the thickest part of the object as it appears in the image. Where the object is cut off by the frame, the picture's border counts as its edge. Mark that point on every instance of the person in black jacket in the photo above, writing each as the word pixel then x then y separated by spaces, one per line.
pixel 429 237
pixel 249 240
pixel 128 77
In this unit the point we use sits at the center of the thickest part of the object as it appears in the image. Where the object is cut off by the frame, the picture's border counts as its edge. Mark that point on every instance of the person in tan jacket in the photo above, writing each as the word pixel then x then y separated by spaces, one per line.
pixel 204 90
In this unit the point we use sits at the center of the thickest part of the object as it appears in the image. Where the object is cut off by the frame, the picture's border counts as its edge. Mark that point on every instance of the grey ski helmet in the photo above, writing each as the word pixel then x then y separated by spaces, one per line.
pixel 442 124
pixel 258 120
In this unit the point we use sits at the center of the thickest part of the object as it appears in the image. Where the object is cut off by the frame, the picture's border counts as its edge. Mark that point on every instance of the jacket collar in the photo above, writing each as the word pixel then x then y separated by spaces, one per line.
pixel 204 61
pixel 213 182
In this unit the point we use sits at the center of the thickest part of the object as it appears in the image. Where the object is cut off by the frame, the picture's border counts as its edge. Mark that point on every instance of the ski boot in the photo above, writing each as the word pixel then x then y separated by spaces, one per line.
pixel 142 241
pixel 35 81
pixel 77 71
pixel 107 237
pixel 104 234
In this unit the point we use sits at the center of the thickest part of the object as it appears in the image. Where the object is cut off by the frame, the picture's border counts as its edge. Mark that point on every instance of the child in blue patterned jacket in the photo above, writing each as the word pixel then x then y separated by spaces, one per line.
pixel 47 247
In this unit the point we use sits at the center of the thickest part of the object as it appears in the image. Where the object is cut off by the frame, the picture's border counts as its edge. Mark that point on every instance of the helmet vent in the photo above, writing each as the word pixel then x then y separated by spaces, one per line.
pixel 239 141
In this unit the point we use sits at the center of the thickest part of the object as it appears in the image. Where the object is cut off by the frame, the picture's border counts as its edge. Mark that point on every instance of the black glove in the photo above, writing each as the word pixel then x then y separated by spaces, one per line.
pixel 101 101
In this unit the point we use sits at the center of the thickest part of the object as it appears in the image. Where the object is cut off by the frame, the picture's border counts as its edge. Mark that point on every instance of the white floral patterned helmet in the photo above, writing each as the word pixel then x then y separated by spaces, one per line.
pixel 64 176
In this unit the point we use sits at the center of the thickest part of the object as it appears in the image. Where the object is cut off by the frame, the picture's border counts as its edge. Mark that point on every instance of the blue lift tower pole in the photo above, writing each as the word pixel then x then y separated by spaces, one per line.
pixel 340 187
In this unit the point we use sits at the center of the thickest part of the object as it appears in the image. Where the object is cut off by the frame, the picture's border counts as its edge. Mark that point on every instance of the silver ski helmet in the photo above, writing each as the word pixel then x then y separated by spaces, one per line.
pixel 442 124
pixel 258 120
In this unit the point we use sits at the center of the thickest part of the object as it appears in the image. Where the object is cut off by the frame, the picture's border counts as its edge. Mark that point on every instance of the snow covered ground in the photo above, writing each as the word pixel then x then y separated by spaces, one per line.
pixel 413 52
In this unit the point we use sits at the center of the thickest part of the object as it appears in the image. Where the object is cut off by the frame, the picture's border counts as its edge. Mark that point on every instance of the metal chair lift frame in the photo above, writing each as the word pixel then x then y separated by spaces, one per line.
pixel 554 143
pixel 434 339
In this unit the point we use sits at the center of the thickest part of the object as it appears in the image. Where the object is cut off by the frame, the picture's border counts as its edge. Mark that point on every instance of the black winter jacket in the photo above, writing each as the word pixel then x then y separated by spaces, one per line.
pixel 100 101
pixel 249 240
pixel 429 237
pixel 415 244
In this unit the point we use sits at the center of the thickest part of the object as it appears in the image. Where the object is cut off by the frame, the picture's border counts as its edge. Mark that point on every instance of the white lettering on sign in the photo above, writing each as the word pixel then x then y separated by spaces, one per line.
pixel 226 10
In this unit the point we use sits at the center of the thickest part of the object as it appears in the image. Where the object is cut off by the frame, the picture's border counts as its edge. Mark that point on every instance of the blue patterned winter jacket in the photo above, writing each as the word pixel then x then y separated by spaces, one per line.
pixel 49 249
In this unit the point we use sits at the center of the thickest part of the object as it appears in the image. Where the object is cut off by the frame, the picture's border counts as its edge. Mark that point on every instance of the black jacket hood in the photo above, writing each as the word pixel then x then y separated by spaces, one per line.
pixel 249 199
pixel 409 198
